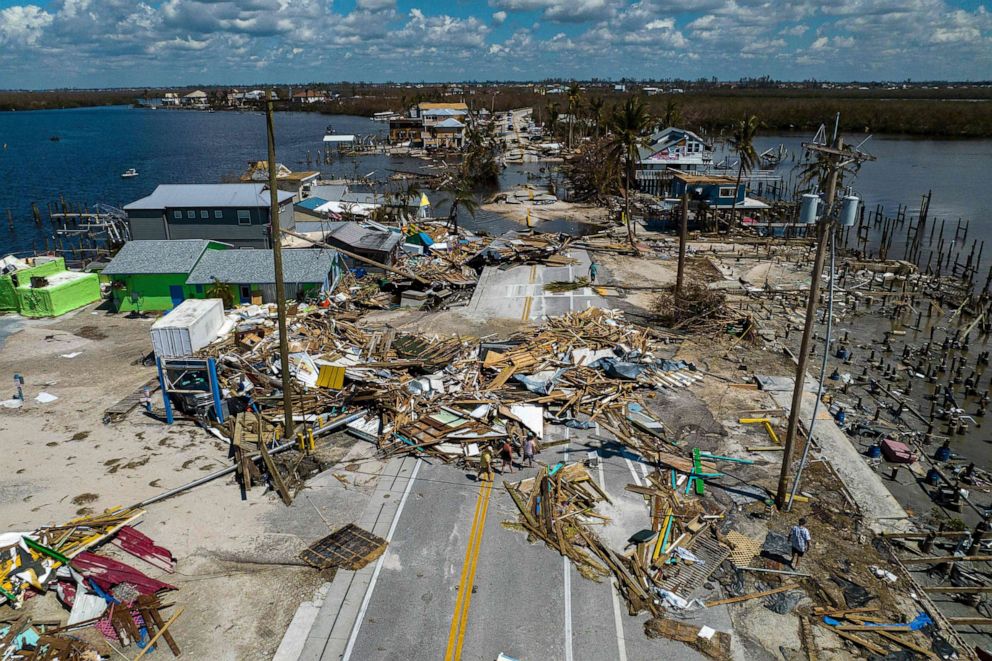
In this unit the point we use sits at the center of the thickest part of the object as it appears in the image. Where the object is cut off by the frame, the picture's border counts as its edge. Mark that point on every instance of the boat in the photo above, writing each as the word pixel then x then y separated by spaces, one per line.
pixel 329 130
pixel 55 138
pixel 129 173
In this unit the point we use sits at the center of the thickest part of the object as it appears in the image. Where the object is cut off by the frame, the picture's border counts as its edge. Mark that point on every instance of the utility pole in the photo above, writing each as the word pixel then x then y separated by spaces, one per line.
pixel 683 237
pixel 287 391
pixel 836 159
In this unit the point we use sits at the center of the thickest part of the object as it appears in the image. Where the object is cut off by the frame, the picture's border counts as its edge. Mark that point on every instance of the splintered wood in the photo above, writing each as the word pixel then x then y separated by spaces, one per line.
pixel 349 548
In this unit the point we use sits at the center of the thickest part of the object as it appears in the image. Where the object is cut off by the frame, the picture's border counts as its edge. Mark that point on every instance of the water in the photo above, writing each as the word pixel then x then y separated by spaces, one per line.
pixel 906 168
pixel 98 144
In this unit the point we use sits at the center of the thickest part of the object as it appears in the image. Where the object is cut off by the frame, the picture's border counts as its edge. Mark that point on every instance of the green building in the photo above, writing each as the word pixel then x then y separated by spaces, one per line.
pixel 42 287
pixel 64 291
pixel 151 275
pixel 157 275
pixel 17 271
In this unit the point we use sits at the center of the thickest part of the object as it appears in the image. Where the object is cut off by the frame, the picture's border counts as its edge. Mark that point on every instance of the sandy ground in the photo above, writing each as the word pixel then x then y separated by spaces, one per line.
pixel 588 213
pixel 238 574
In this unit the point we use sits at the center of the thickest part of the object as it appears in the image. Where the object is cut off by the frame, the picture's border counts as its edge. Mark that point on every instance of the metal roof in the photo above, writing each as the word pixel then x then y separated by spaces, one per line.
pixel 449 124
pixel 352 234
pixel 158 256
pixel 311 203
pixel 255 266
pixel 444 112
pixel 329 192
pixel 171 196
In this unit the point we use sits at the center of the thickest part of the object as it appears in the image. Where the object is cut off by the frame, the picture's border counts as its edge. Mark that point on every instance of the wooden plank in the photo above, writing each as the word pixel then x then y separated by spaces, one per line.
pixel 502 377
pixel 955 589
pixel 273 470
pixel 160 632
pixel 871 647
pixel 753 595
pixel 888 635
pixel 970 620
pixel 946 558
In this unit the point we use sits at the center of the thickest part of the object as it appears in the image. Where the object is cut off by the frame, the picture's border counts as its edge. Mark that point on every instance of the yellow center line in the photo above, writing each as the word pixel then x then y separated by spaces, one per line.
pixel 533 273
pixel 528 302
pixel 471 574
pixel 456 630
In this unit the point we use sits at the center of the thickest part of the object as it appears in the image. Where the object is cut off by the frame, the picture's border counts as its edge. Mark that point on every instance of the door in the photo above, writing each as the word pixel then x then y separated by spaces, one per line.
pixel 176 294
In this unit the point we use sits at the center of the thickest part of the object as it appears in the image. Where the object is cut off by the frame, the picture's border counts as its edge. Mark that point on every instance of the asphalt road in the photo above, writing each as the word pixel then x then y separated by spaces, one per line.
pixel 526 600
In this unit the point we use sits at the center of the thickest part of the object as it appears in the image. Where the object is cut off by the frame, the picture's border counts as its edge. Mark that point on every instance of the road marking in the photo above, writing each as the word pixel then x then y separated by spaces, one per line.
pixel 378 564
pixel 633 473
pixel 527 305
pixel 567 578
pixel 533 273
pixel 617 617
pixel 456 632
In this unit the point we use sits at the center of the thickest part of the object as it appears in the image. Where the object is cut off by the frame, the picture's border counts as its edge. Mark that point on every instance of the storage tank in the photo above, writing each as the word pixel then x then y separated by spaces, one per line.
pixel 192 325
pixel 849 211
pixel 808 208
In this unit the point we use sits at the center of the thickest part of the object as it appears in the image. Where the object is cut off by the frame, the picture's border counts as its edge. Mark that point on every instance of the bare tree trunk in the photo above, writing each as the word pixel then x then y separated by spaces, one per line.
pixel 630 221
pixel 733 209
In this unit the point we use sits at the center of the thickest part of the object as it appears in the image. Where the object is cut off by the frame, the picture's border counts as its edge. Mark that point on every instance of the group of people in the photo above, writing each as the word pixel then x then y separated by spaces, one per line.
pixel 505 452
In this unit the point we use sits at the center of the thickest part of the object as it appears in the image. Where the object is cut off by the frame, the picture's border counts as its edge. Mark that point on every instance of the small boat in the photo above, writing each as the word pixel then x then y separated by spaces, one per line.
pixel 55 138
pixel 129 173
pixel 329 130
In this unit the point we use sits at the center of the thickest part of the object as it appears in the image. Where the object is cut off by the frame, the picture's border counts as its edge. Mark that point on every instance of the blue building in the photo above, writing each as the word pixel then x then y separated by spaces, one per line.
pixel 237 214
pixel 717 192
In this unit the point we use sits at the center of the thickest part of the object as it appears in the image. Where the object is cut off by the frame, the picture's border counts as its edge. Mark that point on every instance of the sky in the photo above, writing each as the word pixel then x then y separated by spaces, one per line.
pixel 122 43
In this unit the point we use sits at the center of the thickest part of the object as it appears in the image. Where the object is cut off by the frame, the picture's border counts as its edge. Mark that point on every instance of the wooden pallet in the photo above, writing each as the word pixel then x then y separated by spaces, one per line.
pixel 743 548
pixel 349 547
pixel 689 578
pixel 119 411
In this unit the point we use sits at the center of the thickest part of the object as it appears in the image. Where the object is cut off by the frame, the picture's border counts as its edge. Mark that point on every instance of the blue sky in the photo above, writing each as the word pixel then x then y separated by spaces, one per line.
pixel 98 43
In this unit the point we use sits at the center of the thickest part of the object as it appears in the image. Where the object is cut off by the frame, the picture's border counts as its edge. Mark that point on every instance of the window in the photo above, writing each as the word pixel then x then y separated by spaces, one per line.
pixel 728 191
pixel 199 289
pixel 177 215
pixel 218 214
pixel 191 214
pixel 244 217
pixel 204 214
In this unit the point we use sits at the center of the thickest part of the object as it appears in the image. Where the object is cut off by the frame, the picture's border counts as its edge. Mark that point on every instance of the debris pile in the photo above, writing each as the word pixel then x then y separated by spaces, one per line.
pixel 112 605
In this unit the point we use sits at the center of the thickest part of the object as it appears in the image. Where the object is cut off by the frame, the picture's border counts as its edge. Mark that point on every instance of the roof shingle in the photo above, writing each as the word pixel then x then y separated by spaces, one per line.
pixel 255 266
pixel 158 256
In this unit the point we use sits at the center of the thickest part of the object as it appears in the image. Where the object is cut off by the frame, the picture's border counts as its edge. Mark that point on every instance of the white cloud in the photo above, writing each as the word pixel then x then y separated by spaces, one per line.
pixel 23 24
pixel 499 17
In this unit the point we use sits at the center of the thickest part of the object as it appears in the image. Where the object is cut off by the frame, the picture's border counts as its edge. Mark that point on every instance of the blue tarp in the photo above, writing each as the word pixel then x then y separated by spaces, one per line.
pixel 918 622
pixel 618 369
pixel 540 386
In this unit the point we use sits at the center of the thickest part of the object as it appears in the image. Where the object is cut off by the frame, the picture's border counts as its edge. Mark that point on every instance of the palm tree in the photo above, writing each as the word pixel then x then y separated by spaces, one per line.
pixel 628 125
pixel 743 144
pixel 574 103
pixel 596 105
pixel 462 196
pixel 672 116
pixel 553 114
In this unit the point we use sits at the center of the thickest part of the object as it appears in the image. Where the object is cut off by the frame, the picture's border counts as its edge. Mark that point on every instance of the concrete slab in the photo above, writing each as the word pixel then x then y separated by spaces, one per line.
pixel 518 292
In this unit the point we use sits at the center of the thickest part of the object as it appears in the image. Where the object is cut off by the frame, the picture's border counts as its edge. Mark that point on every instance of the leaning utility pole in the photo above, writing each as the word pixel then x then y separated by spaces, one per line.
pixel 683 238
pixel 836 158
pixel 276 236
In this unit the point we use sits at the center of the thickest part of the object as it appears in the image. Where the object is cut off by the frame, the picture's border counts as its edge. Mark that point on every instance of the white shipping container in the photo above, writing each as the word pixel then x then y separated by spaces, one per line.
pixel 191 325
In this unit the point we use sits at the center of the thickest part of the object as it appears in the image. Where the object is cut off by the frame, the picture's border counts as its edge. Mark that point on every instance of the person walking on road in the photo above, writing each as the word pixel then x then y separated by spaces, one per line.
pixel 529 447
pixel 506 454
pixel 800 539
pixel 593 271
pixel 486 464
